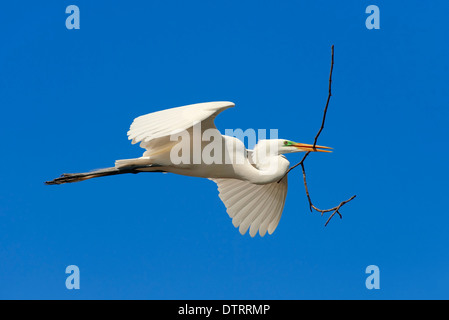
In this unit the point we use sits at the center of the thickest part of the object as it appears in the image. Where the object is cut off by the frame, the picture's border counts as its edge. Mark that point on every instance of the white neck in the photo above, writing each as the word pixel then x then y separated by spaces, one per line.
pixel 268 167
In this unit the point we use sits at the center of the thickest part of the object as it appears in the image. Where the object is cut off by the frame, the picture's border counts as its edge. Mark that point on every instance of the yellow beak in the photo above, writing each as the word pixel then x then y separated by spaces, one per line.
pixel 309 147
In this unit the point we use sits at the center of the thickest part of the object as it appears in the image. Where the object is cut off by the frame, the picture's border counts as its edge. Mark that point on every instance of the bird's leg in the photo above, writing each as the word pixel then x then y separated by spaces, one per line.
pixel 76 177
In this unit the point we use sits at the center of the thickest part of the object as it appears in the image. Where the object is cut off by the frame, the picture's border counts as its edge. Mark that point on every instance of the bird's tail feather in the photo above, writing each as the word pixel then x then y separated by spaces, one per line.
pixel 76 177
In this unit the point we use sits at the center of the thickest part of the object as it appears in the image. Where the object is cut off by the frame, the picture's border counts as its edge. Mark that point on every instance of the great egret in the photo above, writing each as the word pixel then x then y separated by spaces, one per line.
pixel 250 189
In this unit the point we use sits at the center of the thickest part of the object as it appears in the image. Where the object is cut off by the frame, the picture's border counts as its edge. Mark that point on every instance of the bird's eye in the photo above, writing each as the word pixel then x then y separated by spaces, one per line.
pixel 285 143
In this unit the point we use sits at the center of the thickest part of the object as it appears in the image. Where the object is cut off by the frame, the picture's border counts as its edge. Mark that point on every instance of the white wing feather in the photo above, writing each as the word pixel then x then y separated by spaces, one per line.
pixel 154 129
pixel 253 206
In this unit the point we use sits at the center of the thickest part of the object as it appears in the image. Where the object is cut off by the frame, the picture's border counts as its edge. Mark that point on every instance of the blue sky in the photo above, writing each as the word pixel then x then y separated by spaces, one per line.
pixel 68 97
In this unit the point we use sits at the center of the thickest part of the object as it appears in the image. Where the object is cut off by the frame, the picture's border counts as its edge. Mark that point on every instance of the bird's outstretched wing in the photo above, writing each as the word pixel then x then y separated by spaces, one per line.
pixel 253 206
pixel 153 130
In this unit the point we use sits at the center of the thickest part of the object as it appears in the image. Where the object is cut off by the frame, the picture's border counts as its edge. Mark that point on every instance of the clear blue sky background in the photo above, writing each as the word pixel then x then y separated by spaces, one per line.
pixel 67 99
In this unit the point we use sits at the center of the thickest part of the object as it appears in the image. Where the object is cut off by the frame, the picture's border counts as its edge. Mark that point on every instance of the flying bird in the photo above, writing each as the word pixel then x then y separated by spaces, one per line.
pixel 252 183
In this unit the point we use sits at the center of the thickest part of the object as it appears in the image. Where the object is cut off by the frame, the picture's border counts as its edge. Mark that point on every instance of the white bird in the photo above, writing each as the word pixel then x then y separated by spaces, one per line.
pixel 250 189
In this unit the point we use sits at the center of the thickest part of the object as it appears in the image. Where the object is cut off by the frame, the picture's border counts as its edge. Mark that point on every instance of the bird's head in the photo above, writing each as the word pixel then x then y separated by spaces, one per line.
pixel 287 146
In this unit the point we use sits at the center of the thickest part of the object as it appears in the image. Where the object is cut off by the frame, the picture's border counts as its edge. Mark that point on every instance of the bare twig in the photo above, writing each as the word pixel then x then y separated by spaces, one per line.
pixel 324 114
pixel 328 97
pixel 311 205
pixel 335 209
